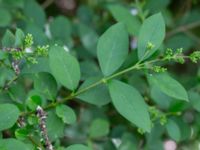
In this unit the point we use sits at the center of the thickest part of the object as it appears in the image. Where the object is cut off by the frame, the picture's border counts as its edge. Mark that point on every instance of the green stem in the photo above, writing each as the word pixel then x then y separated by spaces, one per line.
pixel 137 66
pixel 9 83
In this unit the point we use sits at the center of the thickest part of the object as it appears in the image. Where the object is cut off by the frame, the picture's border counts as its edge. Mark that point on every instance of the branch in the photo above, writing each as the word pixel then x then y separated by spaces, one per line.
pixel 141 64
pixel 183 28
pixel 137 66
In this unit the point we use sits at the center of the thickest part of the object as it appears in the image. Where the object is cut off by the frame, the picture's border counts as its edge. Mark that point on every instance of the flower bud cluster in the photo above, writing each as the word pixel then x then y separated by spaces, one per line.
pixel 195 56
pixel 159 69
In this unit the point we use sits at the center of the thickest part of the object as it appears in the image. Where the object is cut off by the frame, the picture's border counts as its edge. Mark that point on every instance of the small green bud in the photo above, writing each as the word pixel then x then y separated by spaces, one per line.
pixel 32 60
pixel 179 51
pixel 180 60
pixel 104 80
pixel 163 119
pixel 141 131
pixel 169 51
pixel 17 54
pixel 159 69
pixel 195 56
pixel 169 54
pixel 28 41
pixel 42 50
pixel 150 46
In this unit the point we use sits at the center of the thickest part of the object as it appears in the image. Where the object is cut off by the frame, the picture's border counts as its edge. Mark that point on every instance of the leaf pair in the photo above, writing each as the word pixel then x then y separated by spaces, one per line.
pixel 112 50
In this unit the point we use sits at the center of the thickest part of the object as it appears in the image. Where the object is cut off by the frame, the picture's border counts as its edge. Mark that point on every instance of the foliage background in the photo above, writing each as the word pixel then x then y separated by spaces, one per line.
pixel 77 26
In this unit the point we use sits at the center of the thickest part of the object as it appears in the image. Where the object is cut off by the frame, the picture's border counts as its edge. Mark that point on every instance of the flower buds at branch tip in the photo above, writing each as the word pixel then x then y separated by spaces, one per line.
pixel 150 46
pixel 195 56
pixel 104 80
pixel 28 41
pixel 159 69
pixel 42 50
pixel 176 56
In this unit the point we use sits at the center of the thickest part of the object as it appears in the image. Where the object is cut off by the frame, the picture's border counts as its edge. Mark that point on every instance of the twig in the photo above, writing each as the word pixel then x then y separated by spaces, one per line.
pixel 6 86
pixel 39 146
pixel 47 3
pixel 137 66
pixel 192 36
pixel 183 28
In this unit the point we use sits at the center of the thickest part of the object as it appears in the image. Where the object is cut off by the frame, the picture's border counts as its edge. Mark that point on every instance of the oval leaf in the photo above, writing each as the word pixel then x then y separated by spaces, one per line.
pixel 9 115
pixel 169 86
pixel 19 38
pixel 12 144
pixel 98 95
pixel 173 130
pixel 77 147
pixel 58 32
pixel 123 14
pixel 112 48
pixel 55 126
pixel 99 128
pixel 130 104
pixel 5 17
pixel 153 31
pixel 8 39
pixel 64 67
pixel 66 114
pixel 45 84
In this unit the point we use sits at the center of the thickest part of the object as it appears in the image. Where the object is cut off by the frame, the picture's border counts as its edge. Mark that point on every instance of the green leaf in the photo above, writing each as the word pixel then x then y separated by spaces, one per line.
pixel 99 128
pixel 35 13
pixel 153 31
pixel 194 98
pixel 21 133
pixel 112 48
pixel 38 34
pixel 8 39
pixel 77 147
pixel 155 6
pixel 66 113
pixel 6 75
pixel 161 99
pixel 41 66
pixel 130 104
pixel 12 144
pixel 88 38
pixel 122 14
pixel 19 38
pixel 64 67
pixel 169 86
pixel 3 55
pixel 173 130
pixel 9 114
pixel 5 17
pixel 61 28
pixel 45 84
pixel 89 68
pixel 33 101
pixel 15 4
pixel 98 95
pixel 17 93
pixel 55 126
pixel 128 142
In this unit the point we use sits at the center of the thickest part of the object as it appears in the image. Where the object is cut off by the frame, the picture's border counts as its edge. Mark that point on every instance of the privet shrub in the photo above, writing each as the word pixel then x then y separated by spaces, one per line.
pixel 106 75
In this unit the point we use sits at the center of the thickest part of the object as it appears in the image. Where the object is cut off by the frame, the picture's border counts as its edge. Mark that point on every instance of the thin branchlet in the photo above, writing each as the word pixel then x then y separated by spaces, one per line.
pixel 41 114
